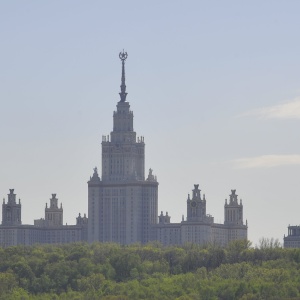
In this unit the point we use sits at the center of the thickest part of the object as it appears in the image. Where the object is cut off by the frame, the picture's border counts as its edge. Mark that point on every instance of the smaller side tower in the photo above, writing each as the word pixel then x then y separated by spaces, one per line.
pixel 82 220
pixel 196 207
pixel 11 211
pixel 233 211
pixel 95 212
pixel 54 214
pixel 164 219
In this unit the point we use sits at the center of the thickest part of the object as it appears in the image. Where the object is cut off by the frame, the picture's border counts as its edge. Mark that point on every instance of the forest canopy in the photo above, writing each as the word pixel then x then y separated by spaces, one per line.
pixel 111 271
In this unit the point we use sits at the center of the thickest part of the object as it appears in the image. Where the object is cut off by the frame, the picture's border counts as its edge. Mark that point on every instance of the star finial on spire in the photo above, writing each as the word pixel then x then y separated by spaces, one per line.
pixel 123 56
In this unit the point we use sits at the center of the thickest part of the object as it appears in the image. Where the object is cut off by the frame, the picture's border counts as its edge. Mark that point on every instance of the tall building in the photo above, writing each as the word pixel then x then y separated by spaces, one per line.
pixel 122 204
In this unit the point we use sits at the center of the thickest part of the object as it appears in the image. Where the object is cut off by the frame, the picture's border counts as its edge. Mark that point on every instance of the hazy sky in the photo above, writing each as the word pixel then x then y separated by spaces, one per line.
pixel 214 87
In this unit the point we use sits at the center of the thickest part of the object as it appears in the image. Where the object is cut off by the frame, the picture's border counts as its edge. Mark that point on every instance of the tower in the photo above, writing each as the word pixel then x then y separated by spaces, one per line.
pixel 196 207
pixel 123 157
pixel 233 211
pixel 53 213
pixel 122 204
pixel 11 211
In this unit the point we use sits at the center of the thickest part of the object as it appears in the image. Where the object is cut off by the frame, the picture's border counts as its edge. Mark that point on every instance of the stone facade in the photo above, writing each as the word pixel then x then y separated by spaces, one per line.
pixel 199 227
pixel 48 230
pixel 292 240
pixel 122 204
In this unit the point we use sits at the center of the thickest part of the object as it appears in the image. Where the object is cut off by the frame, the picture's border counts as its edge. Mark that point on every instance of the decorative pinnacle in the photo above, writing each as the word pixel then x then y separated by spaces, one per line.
pixel 123 56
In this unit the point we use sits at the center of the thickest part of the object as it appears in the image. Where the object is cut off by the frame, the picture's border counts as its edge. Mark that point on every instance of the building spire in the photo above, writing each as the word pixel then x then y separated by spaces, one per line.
pixel 123 56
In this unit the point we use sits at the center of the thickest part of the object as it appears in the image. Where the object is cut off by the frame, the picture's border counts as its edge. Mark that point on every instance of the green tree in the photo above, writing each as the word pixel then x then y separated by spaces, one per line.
pixel 123 263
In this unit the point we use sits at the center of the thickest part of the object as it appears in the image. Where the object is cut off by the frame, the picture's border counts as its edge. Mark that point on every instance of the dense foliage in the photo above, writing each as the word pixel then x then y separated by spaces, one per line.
pixel 110 271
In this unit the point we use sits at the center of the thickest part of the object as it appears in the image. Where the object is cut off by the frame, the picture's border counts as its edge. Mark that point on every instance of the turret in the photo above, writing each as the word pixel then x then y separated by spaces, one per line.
pixel 82 220
pixel 164 219
pixel 11 211
pixel 233 211
pixel 196 207
pixel 54 214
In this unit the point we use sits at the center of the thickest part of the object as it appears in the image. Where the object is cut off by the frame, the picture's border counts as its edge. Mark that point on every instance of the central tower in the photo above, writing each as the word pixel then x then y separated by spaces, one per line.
pixel 122 204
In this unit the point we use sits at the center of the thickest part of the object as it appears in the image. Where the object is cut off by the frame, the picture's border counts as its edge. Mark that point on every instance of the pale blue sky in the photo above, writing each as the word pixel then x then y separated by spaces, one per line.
pixel 214 87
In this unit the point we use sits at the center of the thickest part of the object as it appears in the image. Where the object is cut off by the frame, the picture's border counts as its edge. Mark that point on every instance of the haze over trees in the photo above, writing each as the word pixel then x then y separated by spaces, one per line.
pixel 110 271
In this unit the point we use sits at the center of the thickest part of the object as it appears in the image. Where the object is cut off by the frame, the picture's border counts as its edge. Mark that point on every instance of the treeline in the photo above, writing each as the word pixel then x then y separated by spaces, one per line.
pixel 110 271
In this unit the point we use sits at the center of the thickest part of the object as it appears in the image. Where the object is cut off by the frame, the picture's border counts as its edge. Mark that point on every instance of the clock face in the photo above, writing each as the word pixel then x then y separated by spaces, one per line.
pixel 193 204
